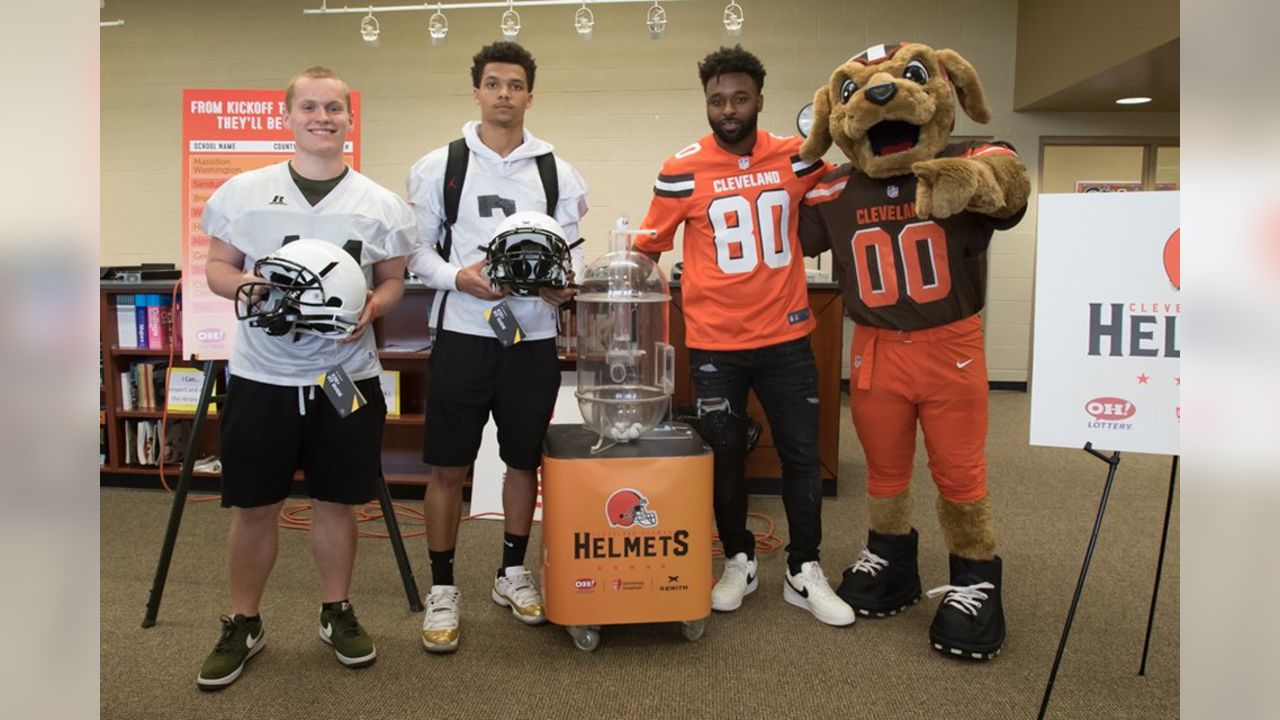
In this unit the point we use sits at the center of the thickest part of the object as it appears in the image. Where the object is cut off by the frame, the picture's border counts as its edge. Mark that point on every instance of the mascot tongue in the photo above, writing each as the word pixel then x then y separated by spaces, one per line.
pixel 896 148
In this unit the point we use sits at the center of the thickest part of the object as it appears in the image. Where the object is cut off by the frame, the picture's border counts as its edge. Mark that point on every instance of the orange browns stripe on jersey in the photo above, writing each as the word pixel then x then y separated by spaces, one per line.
pixel 827 189
pixel 743 284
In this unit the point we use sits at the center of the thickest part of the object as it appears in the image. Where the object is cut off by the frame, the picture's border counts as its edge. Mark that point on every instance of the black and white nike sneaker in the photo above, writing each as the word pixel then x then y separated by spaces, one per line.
pixel 810 590
pixel 736 582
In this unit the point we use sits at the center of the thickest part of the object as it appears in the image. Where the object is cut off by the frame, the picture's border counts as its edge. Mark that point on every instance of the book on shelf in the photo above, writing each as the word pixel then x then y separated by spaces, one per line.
pixel 391 391
pixel 141 302
pixel 126 322
pixel 128 391
pixel 130 443
pixel 146 443
pixel 159 317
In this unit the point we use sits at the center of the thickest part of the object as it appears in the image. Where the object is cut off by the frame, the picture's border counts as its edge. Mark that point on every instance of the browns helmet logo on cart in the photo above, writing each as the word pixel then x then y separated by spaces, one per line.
pixel 628 508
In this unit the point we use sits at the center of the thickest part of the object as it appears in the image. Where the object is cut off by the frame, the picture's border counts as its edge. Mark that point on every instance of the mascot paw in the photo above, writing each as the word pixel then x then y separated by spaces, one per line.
pixel 947 186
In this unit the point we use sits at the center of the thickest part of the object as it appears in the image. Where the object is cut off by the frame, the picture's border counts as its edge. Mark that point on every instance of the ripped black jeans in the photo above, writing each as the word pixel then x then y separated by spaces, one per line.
pixel 785 379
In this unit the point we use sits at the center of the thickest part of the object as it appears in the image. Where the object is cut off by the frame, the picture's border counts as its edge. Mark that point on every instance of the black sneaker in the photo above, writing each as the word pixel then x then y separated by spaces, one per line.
pixel 969 623
pixel 351 644
pixel 241 639
pixel 885 580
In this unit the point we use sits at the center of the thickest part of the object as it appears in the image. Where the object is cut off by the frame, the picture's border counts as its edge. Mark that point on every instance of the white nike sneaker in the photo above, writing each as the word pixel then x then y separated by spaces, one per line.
pixel 810 590
pixel 440 621
pixel 514 588
pixel 736 582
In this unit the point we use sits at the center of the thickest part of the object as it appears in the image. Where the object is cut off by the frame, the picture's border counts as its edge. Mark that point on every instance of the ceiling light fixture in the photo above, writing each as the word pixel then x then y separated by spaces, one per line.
pixel 656 20
pixel 733 19
pixel 369 29
pixel 1136 100
pixel 438 26
pixel 510 23
pixel 584 21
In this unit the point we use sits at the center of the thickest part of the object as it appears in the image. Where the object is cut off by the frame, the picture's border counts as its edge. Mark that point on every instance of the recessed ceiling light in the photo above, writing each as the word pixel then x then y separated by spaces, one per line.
pixel 1133 101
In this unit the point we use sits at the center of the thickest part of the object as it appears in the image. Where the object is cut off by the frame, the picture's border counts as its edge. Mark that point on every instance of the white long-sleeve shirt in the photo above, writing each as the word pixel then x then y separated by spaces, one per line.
pixel 493 186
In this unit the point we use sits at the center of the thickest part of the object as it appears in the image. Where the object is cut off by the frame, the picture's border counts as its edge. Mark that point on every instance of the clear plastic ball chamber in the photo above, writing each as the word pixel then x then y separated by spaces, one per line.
pixel 625 365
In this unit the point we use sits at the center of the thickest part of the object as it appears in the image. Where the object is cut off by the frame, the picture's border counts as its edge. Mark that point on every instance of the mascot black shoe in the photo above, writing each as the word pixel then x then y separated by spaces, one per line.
pixel 885 580
pixel 969 623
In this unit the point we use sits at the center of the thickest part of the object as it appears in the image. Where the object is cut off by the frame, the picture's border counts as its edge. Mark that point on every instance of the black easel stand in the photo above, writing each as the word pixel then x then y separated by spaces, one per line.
pixel 1113 462
pixel 180 502
pixel 1164 539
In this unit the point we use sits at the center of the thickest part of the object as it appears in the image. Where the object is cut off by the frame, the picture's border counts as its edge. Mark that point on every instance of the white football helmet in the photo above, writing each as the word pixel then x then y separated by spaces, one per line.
pixel 529 252
pixel 308 286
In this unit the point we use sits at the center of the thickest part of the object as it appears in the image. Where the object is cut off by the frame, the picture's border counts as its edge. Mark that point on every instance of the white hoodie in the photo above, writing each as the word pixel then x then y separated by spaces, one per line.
pixel 515 180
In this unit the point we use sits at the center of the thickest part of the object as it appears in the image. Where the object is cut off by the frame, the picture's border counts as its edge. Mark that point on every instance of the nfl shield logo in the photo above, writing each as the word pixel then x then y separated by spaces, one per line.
pixel 744 163
pixel 892 190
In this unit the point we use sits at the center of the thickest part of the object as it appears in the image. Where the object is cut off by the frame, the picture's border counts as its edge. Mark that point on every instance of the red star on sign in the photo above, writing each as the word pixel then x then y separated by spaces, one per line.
pixel 1143 378
pixel 1177 381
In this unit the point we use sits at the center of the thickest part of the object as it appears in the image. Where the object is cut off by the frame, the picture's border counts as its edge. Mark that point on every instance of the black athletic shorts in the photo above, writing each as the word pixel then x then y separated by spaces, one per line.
pixel 472 376
pixel 270 431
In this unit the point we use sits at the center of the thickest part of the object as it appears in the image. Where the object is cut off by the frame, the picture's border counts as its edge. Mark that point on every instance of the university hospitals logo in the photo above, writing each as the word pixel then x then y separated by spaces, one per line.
pixel 628 508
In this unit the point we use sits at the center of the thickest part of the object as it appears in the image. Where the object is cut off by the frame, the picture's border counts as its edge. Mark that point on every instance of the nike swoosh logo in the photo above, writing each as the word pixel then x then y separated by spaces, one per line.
pixel 803 592
pixel 751 579
pixel 250 640
pixel 508 544
pixel 962 364
pixel 327 629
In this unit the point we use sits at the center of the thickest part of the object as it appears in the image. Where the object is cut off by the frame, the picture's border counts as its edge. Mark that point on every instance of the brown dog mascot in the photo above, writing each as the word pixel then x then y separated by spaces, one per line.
pixel 908 220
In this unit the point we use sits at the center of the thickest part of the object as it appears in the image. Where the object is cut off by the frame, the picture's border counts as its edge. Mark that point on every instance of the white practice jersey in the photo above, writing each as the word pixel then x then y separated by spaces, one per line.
pixel 255 211
pixel 494 188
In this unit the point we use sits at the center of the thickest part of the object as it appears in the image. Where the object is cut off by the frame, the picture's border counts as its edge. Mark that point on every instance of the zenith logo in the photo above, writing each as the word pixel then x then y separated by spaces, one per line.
pixel 278 200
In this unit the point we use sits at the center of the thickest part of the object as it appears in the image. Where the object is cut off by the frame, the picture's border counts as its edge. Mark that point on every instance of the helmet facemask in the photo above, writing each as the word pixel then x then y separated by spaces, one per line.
pixel 527 256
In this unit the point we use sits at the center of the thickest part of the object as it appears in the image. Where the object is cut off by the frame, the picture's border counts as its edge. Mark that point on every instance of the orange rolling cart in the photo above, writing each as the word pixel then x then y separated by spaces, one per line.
pixel 626 531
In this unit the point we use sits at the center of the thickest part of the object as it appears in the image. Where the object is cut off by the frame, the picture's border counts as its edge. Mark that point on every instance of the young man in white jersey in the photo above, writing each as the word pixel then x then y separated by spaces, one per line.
pixel 275 419
pixel 746 305
pixel 472 372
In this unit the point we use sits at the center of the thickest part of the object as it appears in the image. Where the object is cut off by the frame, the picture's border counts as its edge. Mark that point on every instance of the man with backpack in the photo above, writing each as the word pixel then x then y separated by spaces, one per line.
pixel 461 194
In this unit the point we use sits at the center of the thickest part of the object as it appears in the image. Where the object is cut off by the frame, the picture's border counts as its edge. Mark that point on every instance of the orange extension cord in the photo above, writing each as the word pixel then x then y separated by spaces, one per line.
pixel 298 515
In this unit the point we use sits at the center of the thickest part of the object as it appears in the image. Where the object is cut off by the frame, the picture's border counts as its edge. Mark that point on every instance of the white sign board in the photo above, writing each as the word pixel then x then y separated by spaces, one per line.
pixel 1105 366
pixel 490 471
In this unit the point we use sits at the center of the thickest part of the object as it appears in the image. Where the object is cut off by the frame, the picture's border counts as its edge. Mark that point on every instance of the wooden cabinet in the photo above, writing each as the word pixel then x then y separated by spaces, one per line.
pixel 763 467
pixel 403 337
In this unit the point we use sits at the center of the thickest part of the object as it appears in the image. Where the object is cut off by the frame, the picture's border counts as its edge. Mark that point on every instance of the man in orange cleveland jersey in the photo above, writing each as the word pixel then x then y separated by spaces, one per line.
pixel 747 318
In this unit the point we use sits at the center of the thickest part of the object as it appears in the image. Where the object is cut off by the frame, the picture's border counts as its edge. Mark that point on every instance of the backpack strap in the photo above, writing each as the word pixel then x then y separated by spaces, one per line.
pixel 550 181
pixel 455 173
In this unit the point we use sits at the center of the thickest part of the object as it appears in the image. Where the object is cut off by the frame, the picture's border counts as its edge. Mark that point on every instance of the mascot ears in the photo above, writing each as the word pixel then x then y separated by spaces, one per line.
pixel 958 72
pixel 968 88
